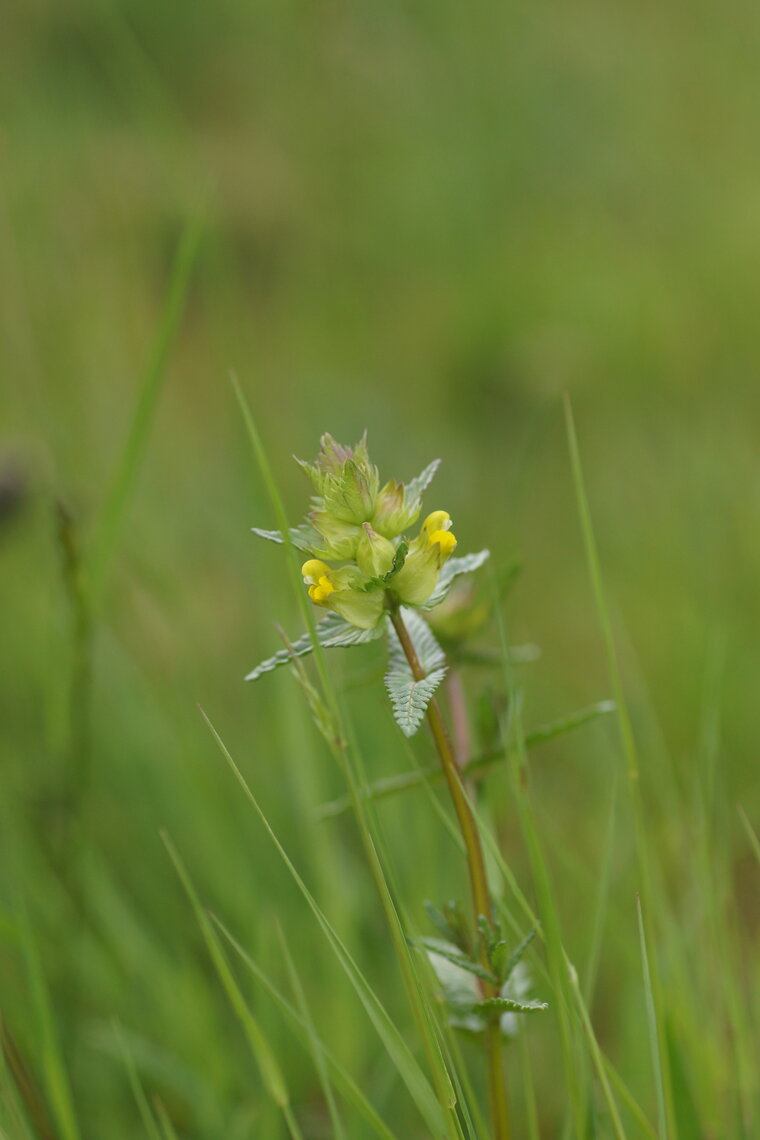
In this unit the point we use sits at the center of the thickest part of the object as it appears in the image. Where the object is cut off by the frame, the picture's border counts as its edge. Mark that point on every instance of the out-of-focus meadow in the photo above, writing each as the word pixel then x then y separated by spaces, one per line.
pixel 430 220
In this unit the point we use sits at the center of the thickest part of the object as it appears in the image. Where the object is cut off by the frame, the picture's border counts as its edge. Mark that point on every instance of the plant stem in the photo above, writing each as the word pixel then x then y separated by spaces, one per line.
pixel 476 867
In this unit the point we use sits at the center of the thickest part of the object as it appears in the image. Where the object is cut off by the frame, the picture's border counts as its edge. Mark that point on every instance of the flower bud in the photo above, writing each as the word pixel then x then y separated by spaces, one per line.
pixel 345 481
pixel 392 512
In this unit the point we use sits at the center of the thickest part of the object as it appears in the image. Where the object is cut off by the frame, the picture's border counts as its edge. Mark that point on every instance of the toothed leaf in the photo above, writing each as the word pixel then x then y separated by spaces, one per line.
pixel 451 570
pixel 410 698
pixel 416 488
pixel 504 963
pixel 303 537
pixel 429 652
pixel 500 1005
pixel 332 633
pixel 453 955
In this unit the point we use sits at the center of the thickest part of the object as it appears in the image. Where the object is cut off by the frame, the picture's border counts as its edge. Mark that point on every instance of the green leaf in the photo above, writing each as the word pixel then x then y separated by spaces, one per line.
pixel 451 570
pixel 410 698
pixel 333 633
pixel 499 1005
pixel 380 581
pixel 415 489
pixel 399 559
pixel 455 956
pixel 459 988
pixel 303 537
pixel 503 964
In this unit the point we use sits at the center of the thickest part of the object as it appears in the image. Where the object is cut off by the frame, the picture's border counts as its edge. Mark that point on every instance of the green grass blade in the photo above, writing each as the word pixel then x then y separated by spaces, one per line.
pixel 546 897
pixel 114 508
pixel 17 1083
pixel 630 754
pixel 271 1073
pixel 654 1037
pixel 754 842
pixel 54 1070
pixel 149 1122
pixel 167 1128
pixel 602 900
pixel 348 1087
pixel 399 1052
pixel 596 1055
pixel 316 1055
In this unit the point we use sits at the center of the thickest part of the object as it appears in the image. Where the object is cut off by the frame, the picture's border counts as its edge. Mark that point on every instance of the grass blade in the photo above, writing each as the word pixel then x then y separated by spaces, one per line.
pixel 271 1074
pixel 399 1052
pixel 54 1070
pixel 316 1055
pixel 114 507
pixel 630 755
pixel 151 1128
pixel 350 1090
pixel 654 1041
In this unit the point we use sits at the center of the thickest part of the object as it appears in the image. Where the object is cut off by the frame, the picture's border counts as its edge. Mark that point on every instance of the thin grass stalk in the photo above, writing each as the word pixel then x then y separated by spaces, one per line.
pixel 668 1124
pixel 476 868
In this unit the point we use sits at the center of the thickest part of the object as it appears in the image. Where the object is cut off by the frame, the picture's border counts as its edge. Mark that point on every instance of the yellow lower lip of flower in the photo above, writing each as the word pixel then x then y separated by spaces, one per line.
pixel 320 592
pixel 445 540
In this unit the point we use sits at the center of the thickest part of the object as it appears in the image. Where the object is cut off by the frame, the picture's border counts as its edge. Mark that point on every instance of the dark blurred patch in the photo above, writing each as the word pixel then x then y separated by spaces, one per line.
pixel 14 491
pixel 486 386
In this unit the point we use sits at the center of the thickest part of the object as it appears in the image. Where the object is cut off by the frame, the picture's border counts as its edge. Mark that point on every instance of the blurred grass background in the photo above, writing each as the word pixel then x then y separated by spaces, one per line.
pixel 431 222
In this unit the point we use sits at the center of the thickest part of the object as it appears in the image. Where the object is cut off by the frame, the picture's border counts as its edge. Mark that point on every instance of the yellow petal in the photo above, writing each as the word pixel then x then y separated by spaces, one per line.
pixel 445 540
pixel 314 569
pixel 438 520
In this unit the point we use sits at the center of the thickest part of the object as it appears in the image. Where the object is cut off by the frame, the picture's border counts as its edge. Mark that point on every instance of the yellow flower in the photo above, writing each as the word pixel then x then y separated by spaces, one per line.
pixel 418 577
pixel 316 574
pixel 341 590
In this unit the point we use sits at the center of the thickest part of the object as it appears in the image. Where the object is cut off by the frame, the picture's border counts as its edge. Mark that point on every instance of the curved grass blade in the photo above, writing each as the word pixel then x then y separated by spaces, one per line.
pixel 149 1123
pixel 399 1052
pixel 117 497
pixel 54 1070
pixel 350 1091
pixel 271 1073
pixel 316 1055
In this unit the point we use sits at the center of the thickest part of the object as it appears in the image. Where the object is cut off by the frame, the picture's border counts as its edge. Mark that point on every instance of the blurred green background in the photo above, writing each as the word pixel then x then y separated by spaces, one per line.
pixel 427 219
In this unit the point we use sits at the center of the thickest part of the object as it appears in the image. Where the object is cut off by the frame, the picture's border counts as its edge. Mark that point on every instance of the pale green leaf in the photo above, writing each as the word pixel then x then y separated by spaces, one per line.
pixel 508 1005
pixel 410 698
pixel 416 487
pixel 451 570
pixel 303 537
pixel 333 633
